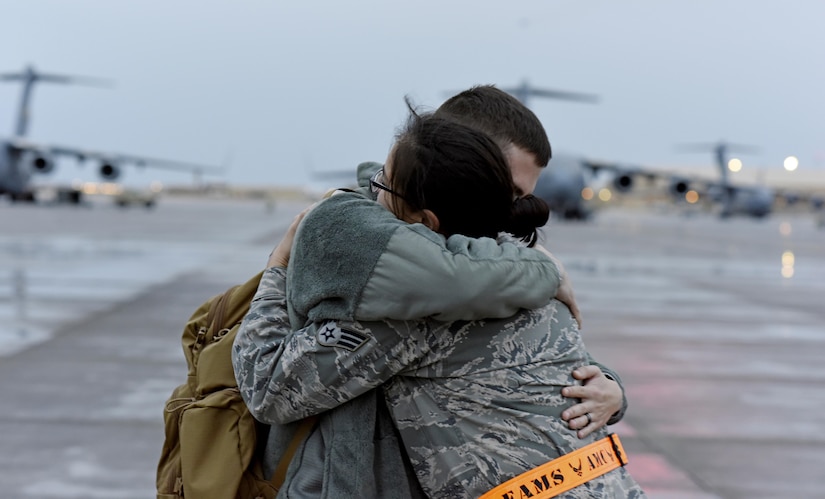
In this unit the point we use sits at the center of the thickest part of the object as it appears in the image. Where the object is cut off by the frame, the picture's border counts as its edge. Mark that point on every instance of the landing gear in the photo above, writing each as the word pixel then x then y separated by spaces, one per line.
pixel 69 196
pixel 61 195
pixel 22 197
pixel 575 214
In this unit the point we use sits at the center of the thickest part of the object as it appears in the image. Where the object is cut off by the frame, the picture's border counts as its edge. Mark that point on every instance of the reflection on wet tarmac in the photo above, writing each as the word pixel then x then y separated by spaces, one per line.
pixel 787 264
pixel 60 265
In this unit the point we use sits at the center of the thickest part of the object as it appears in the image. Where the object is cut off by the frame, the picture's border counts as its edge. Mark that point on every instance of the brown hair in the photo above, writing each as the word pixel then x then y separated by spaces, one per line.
pixel 502 117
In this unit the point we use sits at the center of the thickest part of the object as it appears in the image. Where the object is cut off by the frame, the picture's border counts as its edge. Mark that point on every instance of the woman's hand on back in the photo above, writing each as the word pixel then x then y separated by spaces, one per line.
pixel 280 255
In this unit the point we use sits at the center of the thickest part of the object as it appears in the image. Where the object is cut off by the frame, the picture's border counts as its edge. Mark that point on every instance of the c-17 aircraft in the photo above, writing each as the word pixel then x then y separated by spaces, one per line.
pixel 21 159
pixel 736 199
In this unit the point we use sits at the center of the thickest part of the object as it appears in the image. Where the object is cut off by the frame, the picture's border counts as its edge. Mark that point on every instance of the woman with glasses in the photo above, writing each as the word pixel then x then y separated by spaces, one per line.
pixel 477 403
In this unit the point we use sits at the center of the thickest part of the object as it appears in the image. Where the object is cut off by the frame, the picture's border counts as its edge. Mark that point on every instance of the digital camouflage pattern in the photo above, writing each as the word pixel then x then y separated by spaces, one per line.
pixel 476 403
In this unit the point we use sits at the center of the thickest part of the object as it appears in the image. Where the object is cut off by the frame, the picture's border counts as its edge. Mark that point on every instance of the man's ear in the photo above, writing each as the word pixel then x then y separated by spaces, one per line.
pixel 429 219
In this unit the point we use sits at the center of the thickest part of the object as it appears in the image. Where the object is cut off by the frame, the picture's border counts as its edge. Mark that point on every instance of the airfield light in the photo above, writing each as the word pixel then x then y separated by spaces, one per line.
pixel 787 264
pixel 587 193
pixel 791 163
pixel 735 165
pixel 605 194
pixel 110 189
pixel 691 197
pixel 785 229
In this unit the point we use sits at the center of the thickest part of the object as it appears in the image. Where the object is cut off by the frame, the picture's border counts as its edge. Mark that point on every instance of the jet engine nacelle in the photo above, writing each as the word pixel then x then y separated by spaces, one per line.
pixel 678 187
pixel 623 182
pixel 42 163
pixel 109 170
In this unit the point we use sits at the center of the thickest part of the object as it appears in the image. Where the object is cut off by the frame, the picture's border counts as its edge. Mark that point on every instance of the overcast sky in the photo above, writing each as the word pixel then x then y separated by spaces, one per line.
pixel 288 86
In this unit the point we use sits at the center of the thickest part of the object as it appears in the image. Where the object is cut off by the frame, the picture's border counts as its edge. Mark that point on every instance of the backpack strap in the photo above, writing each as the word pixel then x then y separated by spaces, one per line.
pixel 301 433
pixel 217 311
pixel 214 320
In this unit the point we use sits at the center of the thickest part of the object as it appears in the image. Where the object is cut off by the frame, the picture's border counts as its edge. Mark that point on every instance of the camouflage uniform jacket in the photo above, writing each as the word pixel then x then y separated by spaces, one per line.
pixel 476 403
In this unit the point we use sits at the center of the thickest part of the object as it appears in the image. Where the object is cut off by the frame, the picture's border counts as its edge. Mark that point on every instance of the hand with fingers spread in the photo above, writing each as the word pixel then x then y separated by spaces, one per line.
pixel 600 398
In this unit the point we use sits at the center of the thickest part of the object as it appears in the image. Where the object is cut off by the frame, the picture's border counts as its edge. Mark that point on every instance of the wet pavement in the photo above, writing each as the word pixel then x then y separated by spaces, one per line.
pixel 719 339
pixel 718 330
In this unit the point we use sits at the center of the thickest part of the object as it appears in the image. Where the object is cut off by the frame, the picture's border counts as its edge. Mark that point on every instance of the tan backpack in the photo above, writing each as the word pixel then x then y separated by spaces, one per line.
pixel 210 447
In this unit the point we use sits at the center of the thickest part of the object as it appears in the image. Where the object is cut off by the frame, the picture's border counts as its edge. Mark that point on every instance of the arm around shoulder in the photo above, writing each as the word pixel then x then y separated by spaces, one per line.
pixel 422 274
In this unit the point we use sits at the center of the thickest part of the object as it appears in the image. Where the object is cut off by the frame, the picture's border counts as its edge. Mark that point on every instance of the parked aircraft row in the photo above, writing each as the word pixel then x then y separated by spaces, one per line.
pixel 567 184
pixel 564 185
pixel 22 159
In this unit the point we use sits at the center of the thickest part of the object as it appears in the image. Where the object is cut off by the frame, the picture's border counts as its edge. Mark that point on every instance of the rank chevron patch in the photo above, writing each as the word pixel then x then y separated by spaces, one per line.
pixel 331 335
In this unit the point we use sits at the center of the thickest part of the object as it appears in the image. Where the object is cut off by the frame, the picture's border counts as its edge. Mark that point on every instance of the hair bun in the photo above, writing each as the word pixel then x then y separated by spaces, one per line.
pixel 527 215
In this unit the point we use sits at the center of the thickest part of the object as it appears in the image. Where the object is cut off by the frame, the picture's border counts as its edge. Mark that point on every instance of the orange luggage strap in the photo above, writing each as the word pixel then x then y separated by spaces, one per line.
pixel 565 472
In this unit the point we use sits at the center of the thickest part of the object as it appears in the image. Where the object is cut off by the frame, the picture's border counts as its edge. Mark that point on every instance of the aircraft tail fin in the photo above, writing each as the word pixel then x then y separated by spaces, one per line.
pixel 29 77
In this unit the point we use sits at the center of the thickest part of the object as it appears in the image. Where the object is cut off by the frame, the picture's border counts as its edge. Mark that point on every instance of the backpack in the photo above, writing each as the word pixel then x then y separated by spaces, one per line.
pixel 211 438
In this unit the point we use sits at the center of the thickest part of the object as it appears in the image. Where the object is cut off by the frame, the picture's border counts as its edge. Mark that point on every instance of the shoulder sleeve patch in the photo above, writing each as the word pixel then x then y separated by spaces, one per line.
pixel 332 335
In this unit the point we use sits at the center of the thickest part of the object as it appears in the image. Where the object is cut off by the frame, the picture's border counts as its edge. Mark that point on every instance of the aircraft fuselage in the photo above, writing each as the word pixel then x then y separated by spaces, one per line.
pixel 560 185
pixel 754 202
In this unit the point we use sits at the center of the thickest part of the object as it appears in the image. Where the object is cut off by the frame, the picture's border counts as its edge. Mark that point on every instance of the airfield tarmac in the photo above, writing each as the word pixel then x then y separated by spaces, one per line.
pixel 718 337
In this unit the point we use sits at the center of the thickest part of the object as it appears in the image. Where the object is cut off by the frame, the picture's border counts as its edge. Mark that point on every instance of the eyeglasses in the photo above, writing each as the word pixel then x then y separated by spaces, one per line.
pixel 376 184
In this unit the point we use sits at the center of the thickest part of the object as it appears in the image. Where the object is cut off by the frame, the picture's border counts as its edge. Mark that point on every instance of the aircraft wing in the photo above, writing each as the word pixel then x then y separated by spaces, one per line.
pixel 624 175
pixel 555 94
pixel 110 162
pixel 333 174
pixel 357 177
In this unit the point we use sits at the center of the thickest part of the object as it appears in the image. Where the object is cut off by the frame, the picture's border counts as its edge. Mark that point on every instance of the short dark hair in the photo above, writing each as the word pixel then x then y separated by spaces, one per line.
pixel 502 117
pixel 461 175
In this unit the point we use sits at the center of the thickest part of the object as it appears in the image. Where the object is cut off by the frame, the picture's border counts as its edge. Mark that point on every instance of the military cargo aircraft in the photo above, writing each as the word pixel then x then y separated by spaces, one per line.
pixel 22 159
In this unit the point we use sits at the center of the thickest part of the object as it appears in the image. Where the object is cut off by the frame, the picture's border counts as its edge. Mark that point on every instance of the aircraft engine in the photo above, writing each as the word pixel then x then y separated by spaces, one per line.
pixel 42 163
pixel 109 170
pixel 678 187
pixel 623 182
